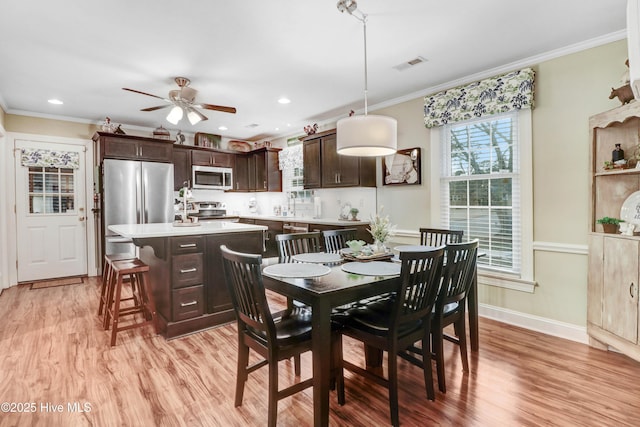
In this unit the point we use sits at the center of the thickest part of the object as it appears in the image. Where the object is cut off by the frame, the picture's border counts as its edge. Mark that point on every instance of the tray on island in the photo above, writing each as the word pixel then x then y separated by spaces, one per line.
pixel 349 256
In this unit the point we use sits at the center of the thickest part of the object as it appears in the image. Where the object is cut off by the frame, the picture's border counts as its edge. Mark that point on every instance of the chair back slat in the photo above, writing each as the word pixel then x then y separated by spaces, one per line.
pixel 440 236
pixel 298 243
pixel 420 276
pixel 334 240
pixel 243 274
pixel 459 272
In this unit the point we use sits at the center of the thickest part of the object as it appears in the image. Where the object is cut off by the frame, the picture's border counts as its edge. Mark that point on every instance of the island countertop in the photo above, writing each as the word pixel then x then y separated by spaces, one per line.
pixel 142 231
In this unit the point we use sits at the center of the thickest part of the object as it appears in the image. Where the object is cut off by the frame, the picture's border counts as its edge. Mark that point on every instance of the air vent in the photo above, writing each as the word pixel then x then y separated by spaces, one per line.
pixel 252 125
pixel 411 63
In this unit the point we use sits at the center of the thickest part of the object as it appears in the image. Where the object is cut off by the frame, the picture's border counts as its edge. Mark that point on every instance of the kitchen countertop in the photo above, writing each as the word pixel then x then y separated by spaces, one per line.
pixel 306 220
pixel 142 231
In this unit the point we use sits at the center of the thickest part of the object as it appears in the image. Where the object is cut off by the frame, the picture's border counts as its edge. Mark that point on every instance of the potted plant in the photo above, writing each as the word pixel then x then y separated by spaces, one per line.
pixel 609 225
pixel 354 213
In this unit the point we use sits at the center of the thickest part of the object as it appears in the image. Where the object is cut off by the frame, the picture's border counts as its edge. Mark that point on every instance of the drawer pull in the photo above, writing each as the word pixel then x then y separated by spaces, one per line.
pixel 188 270
pixel 188 245
pixel 187 304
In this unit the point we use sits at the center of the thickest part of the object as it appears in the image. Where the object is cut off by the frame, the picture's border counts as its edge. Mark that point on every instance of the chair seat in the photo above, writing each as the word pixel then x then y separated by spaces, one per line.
pixel 375 318
pixel 292 326
pixel 450 308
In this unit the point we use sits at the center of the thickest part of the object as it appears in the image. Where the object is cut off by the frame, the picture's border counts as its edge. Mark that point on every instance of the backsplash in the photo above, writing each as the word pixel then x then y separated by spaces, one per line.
pixel 329 202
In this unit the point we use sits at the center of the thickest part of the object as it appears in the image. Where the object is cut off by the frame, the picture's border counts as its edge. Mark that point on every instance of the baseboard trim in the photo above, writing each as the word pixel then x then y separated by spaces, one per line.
pixel 535 323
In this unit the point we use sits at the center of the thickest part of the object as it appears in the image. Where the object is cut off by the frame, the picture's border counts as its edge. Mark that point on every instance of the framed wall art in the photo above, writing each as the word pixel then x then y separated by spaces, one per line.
pixel 402 168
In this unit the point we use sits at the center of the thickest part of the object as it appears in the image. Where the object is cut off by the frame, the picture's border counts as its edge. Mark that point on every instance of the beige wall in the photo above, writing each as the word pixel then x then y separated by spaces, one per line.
pixel 36 125
pixel 568 90
pixel 2 119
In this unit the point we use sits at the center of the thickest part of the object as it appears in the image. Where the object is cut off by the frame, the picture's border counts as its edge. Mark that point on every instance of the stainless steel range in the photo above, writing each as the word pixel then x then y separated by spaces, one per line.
pixel 213 211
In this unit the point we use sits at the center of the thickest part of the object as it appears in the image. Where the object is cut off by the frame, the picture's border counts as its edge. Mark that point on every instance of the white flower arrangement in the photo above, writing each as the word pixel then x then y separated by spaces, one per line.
pixel 380 227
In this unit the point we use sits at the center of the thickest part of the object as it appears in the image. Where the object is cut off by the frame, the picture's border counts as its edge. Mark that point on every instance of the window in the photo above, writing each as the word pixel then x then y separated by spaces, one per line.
pixel 51 190
pixel 485 186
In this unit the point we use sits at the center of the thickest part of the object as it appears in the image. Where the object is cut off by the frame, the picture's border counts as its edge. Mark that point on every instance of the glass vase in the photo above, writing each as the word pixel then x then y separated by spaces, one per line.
pixel 378 247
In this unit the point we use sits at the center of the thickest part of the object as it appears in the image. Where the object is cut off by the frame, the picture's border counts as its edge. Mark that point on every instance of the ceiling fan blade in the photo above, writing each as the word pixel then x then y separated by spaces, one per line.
pixel 202 116
pixel 142 93
pixel 156 108
pixel 224 109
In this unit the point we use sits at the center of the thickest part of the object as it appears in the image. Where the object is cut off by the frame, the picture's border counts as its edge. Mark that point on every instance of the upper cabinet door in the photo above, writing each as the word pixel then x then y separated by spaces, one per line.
pixel 311 161
pixel 126 147
pixel 337 170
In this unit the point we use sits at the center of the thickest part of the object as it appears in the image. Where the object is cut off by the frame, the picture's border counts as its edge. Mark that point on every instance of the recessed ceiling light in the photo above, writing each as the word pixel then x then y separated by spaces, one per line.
pixel 284 100
pixel 223 128
pixel 55 102
pixel 277 128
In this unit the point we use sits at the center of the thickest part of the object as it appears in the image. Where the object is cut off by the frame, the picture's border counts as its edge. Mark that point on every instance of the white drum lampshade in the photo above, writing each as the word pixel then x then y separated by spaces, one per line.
pixel 367 136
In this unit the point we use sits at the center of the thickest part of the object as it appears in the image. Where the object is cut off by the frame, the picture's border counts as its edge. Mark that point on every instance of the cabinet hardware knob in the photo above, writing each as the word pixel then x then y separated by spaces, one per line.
pixel 188 270
pixel 187 304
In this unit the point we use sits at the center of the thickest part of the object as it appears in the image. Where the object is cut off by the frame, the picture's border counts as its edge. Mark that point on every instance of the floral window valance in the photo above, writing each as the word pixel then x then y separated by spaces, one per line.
pixel 50 158
pixel 290 158
pixel 507 92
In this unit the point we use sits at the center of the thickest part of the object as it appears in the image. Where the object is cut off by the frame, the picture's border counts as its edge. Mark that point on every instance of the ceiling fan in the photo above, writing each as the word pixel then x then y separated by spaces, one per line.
pixel 183 101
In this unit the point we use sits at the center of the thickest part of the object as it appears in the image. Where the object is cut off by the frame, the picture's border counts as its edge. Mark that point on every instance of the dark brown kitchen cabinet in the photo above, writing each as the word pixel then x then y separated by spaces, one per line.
pixel 325 168
pixel 270 247
pixel 188 283
pixel 241 173
pixel 181 167
pixel 258 171
pixel 211 158
pixel 218 298
pixel 311 163
pixel 127 147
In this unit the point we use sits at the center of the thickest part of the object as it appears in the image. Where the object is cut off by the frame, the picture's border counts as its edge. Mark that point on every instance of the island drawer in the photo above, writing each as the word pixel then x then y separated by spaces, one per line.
pixel 187 244
pixel 187 270
pixel 188 302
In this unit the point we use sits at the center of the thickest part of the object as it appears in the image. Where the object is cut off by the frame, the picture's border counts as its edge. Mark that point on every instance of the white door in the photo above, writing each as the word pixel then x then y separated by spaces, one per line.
pixel 50 211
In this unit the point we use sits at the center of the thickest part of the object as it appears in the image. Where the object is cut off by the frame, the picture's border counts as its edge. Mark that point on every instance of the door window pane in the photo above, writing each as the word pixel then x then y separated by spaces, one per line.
pixel 56 196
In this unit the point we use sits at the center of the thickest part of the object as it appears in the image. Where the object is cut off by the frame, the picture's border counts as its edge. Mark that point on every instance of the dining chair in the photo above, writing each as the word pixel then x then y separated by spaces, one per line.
pixel 457 278
pixel 334 240
pixel 395 323
pixel 294 244
pixel 274 336
pixel 439 236
pixel 298 243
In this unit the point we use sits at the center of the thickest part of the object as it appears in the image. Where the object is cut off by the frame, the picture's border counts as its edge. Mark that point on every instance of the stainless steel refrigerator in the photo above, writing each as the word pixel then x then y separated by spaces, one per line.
pixel 134 192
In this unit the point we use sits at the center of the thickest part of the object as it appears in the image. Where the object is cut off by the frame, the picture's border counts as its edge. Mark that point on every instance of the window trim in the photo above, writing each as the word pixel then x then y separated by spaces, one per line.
pixel 525 280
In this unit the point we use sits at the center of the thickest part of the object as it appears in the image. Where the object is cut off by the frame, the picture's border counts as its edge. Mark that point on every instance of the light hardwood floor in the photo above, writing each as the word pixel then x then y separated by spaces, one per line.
pixel 54 352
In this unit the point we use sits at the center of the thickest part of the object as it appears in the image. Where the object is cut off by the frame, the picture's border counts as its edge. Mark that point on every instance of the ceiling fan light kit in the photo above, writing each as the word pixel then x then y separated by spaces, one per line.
pixel 367 135
pixel 183 101
pixel 175 115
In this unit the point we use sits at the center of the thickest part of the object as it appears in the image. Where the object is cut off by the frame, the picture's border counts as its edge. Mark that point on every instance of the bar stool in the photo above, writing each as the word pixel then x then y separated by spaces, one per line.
pixel 142 297
pixel 106 277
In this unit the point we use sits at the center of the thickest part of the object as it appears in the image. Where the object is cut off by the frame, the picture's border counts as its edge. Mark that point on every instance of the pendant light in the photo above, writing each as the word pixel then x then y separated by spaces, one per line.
pixel 366 135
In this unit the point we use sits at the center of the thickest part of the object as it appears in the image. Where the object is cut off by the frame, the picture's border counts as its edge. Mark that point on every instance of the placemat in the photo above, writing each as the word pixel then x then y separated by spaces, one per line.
pixel 318 257
pixel 373 268
pixel 296 269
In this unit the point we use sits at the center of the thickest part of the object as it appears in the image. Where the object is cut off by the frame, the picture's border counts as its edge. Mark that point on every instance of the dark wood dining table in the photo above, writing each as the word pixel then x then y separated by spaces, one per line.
pixel 322 294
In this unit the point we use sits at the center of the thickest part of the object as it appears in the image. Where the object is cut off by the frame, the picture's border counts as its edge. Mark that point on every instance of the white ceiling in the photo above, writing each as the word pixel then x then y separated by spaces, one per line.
pixel 249 53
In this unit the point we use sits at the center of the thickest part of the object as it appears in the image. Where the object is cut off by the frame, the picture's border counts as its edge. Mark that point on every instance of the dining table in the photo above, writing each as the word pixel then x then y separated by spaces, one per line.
pixel 337 285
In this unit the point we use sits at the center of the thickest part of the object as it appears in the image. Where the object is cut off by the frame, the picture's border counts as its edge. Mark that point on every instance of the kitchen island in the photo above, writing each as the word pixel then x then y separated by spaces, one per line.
pixel 186 270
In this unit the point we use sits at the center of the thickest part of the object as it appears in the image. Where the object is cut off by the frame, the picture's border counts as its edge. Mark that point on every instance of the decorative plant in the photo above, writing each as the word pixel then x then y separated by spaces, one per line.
pixel 609 220
pixel 354 212
pixel 380 227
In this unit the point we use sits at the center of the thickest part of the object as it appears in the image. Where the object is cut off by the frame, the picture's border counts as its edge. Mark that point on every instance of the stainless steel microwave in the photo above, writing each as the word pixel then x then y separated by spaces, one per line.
pixel 212 178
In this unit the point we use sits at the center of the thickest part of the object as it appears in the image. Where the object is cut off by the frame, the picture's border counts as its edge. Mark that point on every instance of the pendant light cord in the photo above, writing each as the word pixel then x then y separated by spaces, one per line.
pixel 366 82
